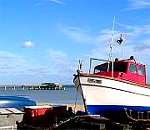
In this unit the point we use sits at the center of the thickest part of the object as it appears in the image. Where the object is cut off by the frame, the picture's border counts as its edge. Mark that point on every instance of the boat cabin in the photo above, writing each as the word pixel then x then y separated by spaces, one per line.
pixel 127 70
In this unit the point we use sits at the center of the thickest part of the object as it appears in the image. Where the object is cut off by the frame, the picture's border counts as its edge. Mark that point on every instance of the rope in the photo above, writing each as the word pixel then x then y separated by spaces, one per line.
pixel 76 98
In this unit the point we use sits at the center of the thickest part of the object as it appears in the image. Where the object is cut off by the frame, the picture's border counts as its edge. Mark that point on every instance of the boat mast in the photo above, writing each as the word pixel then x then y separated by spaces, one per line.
pixel 111 47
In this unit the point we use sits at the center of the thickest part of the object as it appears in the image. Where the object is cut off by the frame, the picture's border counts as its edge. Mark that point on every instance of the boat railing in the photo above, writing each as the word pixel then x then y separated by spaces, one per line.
pixel 139 117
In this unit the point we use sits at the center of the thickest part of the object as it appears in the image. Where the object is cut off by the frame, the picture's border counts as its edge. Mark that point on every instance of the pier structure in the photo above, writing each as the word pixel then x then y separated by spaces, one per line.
pixel 43 86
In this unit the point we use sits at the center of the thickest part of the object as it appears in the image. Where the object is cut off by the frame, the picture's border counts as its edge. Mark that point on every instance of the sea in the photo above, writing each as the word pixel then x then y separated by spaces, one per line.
pixel 67 96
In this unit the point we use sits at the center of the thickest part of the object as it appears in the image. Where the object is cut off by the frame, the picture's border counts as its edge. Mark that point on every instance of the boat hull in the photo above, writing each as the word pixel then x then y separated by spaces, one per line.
pixel 98 109
pixel 109 97
pixel 15 102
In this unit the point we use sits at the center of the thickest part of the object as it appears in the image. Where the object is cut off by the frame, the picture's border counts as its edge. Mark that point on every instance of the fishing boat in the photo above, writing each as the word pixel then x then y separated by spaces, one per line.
pixel 115 89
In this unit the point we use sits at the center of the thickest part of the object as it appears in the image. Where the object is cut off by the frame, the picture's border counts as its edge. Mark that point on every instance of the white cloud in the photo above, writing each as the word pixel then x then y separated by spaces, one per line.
pixel 138 4
pixel 132 35
pixel 42 2
pixel 76 34
pixel 106 35
pixel 11 64
pixel 56 68
pixel 28 44
pixel 144 47
pixel 137 38
pixel 56 55
pixel 57 1
pixel 59 63
pixel 6 55
pixel 80 35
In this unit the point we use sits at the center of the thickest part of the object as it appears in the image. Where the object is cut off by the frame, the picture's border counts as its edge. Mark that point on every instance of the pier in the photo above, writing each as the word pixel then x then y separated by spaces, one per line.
pixel 43 86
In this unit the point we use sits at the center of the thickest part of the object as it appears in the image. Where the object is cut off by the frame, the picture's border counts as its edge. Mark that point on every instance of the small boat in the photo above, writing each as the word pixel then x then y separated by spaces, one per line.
pixel 15 102
pixel 115 88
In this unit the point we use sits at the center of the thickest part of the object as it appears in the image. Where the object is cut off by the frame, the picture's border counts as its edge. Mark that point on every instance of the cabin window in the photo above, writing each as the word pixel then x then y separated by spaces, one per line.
pixel 132 68
pixel 141 70
pixel 101 68
pixel 118 67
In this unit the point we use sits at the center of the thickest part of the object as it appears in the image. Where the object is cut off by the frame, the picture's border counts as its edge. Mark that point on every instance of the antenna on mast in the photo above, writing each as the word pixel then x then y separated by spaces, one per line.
pixel 80 65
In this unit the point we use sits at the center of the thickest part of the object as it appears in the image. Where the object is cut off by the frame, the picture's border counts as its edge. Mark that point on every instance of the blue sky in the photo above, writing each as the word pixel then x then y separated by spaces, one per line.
pixel 42 40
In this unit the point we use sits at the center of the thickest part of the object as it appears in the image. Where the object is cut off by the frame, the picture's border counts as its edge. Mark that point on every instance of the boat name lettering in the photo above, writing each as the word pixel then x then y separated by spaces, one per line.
pixel 94 81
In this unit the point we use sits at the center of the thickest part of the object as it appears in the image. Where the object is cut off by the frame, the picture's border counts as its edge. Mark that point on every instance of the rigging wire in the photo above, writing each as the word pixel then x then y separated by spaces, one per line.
pixel 76 98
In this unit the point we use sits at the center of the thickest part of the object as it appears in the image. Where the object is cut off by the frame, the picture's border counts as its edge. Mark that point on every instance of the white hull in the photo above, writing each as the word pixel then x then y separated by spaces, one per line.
pixel 99 92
